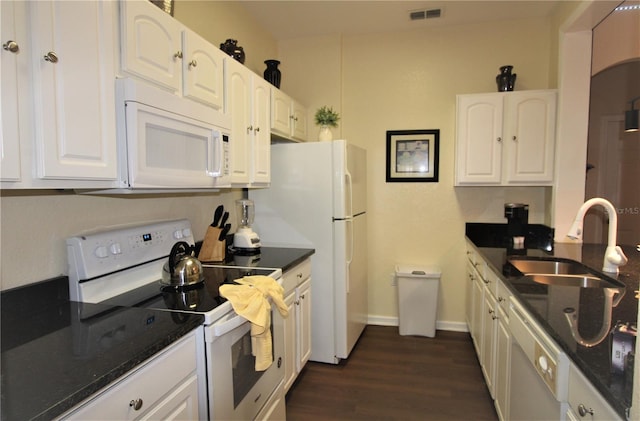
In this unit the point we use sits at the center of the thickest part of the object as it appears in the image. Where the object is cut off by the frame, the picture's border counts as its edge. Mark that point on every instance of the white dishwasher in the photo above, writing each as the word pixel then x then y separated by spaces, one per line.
pixel 539 370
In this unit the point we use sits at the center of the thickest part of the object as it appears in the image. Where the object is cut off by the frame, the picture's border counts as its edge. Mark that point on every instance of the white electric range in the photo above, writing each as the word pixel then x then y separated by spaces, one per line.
pixel 122 266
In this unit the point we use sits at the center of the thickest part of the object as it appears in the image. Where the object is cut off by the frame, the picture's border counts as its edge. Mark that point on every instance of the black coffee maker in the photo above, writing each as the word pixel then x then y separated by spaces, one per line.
pixel 517 215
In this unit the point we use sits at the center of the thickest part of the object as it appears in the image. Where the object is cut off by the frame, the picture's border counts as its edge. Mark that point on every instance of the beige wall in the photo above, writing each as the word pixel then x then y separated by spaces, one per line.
pixel 616 39
pixel 409 80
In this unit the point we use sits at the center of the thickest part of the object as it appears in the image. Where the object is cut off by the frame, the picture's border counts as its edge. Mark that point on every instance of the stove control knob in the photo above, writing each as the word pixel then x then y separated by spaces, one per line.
pixel 186 232
pixel 115 248
pixel 101 252
pixel 177 234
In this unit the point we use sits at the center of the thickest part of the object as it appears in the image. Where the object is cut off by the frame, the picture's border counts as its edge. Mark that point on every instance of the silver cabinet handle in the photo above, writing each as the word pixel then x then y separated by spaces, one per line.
pixel 514 138
pixel 136 404
pixel 249 129
pixel 51 57
pixel 11 46
pixel 193 63
pixel 178 54
pixel 583 411
pixel 499 139
pixel 256 130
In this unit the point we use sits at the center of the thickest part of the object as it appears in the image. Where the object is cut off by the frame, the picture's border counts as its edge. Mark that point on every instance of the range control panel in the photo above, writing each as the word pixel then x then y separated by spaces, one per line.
pixel 99 253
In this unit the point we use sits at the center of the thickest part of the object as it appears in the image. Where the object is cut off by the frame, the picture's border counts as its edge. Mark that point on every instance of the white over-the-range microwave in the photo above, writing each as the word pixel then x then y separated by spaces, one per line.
pixel 167 142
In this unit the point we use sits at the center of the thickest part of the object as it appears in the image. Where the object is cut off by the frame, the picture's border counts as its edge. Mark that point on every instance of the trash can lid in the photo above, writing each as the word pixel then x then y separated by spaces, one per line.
pixel 418 271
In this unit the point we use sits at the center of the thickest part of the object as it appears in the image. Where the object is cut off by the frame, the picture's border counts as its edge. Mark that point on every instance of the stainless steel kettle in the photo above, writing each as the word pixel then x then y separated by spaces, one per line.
pixel 182 268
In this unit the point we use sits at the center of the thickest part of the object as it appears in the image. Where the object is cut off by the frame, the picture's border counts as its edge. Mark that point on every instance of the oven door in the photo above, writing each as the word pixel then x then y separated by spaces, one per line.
pixel 236 391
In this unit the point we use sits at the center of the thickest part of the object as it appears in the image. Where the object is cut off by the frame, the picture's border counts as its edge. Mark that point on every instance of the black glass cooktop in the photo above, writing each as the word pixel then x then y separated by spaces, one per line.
pixel 199 298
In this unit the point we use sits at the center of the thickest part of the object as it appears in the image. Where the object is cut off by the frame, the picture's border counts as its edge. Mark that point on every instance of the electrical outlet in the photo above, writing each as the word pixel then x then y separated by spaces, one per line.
pixel 392 276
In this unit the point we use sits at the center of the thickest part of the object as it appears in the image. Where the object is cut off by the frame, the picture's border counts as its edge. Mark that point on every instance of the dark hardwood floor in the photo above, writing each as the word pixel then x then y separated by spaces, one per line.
pixel 393 377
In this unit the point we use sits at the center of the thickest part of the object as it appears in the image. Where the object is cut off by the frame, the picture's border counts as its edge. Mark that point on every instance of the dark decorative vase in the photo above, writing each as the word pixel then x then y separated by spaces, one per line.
pixel 506 80
pixel 231 47
pixel 272 74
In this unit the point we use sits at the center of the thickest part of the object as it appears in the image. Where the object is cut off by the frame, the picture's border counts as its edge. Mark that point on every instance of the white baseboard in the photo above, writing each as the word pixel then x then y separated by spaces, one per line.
pixel 440 324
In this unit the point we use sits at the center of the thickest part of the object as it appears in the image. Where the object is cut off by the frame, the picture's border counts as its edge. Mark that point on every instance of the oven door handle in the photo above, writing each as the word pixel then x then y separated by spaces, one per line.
pixel 227 324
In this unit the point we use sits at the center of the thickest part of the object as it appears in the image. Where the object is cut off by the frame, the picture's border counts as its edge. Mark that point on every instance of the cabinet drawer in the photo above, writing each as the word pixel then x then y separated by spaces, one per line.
pixel 502 297
pixel 581 392
pixel 296 275
pixel 149 384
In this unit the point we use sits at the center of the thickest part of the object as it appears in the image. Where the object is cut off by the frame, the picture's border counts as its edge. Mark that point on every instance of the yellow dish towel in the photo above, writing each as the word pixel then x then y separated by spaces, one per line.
pixel 250 300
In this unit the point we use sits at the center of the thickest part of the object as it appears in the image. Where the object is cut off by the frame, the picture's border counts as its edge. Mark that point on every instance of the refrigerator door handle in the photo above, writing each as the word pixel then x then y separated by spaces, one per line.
pixel 349 187
pixel 349 225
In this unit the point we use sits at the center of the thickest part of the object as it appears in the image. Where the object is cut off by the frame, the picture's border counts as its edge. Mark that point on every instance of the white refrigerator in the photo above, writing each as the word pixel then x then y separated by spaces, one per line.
pixel 317 199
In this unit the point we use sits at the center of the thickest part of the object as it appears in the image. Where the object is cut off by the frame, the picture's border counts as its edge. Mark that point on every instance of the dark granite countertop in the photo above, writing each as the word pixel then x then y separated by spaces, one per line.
pixel 546 303
pixel 53 357
pixel 283 258
pixel 55 353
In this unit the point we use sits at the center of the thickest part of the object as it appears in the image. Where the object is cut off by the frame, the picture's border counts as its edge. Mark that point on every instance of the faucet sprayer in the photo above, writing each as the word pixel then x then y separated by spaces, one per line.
pixel 614 256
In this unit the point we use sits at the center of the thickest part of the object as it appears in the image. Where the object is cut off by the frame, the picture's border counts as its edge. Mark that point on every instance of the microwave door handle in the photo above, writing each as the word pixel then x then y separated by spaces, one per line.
pixel 214 150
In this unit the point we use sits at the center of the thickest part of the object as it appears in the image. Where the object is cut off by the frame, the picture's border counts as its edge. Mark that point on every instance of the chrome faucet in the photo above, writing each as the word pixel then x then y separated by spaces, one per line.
pixel 613 256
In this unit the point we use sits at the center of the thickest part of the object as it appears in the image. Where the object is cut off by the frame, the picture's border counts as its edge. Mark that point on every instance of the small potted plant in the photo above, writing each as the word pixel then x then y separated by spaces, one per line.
pixel 326 118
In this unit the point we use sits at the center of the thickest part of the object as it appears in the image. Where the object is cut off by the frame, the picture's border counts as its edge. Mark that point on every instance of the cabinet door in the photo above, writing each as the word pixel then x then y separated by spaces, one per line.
pixel 304 323
pixel 151 44
pixel 290 334
pixel 281 117
pixel 530 132
pixel 478 314
pixel 479 139
pixel 503 362
pixel 203 72
pixel 469 294
pixel 239 88
pixel 180 404
pixel 261 150
pixel 73 83
pixel 487 354
pixel 10 72
pixel 299 116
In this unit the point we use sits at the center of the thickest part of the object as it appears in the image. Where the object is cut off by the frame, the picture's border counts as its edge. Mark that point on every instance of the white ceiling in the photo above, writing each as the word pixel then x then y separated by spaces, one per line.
pixel 306 18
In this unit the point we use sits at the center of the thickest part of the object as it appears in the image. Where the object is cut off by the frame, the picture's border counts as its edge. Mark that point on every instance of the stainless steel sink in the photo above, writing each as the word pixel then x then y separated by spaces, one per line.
pixel 561 272
pixel 549 267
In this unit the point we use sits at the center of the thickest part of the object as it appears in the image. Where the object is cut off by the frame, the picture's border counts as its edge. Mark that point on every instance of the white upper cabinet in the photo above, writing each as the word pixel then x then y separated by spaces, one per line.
pixel 250 144
pixel 151 44
pixel 11 71
pixel 288 117
pixel 261 168
pixel 160 50
pixel 506 138
pixel 58 96
pixel 203 69
pixel 73 63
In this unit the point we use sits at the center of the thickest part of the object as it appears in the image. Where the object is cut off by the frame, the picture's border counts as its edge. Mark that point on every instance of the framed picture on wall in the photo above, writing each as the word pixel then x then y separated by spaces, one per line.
pixel 412 155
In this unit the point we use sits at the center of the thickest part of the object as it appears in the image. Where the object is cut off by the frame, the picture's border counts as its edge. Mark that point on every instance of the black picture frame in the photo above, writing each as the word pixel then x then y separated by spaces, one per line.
pixel 413 156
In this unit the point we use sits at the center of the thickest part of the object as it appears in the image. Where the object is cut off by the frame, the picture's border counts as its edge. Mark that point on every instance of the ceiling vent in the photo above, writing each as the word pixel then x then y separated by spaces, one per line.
pixel 425 14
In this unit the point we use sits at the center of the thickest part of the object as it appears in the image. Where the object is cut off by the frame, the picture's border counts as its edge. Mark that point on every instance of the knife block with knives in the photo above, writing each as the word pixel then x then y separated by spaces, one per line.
pixel 214 244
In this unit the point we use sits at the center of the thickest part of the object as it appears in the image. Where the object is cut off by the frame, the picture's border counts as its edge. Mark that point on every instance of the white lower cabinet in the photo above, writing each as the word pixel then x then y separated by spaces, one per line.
pixel 163 388
pixel 503 353
pixel 488 350
pixel 297 326
pixel 487 301
pixel 585 403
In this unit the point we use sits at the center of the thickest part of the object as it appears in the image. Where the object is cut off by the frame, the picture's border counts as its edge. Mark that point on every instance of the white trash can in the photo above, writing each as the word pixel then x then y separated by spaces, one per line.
pixel 417 299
